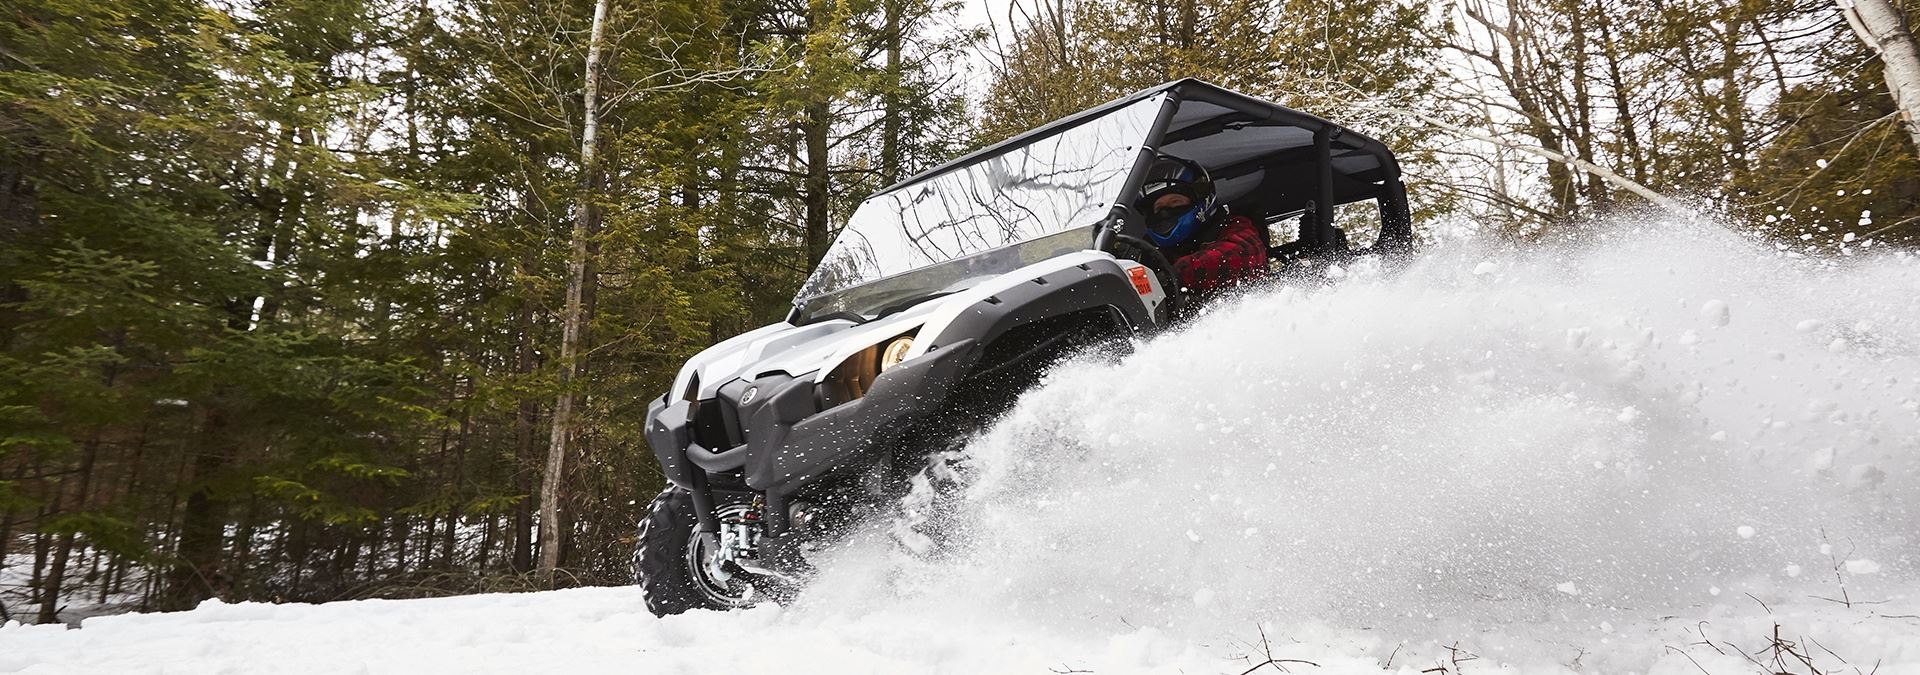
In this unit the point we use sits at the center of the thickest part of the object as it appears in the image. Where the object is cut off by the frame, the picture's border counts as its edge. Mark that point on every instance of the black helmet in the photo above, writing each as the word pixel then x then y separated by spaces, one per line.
pixel 1175 175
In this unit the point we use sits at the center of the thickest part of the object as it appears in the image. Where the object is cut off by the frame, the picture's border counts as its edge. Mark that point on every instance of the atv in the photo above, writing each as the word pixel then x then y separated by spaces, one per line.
pixel 942 299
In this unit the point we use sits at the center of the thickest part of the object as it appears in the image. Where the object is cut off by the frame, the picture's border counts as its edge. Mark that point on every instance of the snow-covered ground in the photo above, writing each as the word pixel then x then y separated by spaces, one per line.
pixel 1663 451
pixel 605 631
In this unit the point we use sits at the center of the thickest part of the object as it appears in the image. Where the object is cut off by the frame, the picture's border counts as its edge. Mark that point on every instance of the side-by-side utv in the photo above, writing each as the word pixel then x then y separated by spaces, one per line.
pixel 942 298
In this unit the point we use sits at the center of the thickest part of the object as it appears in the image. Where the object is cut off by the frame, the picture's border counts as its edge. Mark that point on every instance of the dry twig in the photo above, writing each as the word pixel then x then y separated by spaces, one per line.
pixel 1266 651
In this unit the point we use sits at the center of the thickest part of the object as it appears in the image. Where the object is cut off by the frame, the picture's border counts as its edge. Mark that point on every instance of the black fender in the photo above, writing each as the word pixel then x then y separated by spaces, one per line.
pixel 1092 285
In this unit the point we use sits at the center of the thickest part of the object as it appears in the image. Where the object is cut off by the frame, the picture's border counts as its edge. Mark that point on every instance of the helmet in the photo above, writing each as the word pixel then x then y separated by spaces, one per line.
pixel 1174 175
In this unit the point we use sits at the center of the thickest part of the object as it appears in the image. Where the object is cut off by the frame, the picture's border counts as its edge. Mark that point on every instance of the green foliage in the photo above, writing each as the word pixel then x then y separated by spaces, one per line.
pixel 286 274
pixel 13 498
pixel 310 503
pixel 115 535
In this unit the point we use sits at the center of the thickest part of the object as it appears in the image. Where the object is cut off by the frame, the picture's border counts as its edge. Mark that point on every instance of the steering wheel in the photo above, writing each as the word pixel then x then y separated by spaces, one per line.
pixel 1141 251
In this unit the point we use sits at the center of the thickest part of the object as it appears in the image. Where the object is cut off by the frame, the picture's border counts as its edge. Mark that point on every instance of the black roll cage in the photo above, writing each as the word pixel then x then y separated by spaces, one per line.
pixel 1318 235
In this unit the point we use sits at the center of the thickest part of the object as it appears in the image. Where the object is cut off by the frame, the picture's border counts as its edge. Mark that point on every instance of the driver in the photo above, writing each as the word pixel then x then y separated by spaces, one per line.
pixel 1210 250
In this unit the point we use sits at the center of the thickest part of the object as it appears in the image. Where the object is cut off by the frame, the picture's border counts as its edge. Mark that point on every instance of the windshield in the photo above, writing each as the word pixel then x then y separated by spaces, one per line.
pixel 902 290
pixel 971 220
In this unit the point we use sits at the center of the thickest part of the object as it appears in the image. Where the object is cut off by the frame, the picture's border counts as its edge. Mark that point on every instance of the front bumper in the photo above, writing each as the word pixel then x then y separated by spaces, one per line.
pixel 786 440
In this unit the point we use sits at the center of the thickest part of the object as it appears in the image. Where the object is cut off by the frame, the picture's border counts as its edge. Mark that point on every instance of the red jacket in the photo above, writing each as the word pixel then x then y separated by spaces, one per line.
pixel 1236 254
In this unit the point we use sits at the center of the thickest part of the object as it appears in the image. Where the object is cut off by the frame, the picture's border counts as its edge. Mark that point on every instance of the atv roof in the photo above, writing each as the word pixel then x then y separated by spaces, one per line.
pixel 1210 119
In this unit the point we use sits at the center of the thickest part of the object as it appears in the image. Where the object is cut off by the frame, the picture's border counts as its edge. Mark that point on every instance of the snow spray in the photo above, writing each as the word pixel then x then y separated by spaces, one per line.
pixel 1641 419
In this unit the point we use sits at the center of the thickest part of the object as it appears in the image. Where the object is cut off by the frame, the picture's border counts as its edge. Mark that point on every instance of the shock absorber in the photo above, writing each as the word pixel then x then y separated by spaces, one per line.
pixel 740 534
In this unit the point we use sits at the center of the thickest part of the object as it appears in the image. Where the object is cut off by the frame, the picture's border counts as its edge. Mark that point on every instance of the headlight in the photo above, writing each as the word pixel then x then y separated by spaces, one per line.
pixel 895 352
pixel 851 379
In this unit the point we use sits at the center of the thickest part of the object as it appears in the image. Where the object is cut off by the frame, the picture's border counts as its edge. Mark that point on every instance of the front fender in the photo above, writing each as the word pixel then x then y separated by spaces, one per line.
pixel 1090 283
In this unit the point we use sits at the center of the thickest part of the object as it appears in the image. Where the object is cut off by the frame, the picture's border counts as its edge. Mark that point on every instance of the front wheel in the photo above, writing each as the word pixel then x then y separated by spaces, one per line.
pixel 674 566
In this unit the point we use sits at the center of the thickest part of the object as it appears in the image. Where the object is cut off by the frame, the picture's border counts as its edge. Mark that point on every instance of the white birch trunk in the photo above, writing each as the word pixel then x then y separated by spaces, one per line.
pixel 1883 27
pixel 551 485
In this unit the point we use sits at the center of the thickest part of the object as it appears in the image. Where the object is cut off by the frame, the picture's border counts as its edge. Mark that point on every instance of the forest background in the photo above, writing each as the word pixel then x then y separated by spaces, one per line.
pixel 320 299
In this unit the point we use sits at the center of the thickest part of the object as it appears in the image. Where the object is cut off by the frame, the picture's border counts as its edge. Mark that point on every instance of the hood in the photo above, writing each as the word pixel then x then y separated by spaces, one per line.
pixel 786 348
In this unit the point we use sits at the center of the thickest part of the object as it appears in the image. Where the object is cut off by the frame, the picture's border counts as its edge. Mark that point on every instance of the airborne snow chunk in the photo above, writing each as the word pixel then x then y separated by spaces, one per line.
pixel 1716 313
pixel 1862 567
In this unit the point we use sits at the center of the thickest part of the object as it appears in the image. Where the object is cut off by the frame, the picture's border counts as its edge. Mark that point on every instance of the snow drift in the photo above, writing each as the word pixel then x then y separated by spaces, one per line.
pixel 1635 451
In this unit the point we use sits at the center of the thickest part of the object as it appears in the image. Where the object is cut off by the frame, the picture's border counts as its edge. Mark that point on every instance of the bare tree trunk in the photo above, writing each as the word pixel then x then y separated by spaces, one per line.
pixel 482 559
pixel 1594 190
pixel 1627 123
pixel 1732 94
pixel 57 576
pixel 459 470
pixel 6 537
pixel 36 582
pixel 891 124
pixel 110 579
pixel 518 553
pixel 815 128
pixel 42 547
pixel 240 558
pixel 550 484
pixel 55 582
pixel 1883 27
pixel 197 575
pixel 299 548
pixel 93 573
pixel 520 559
pixel 402 535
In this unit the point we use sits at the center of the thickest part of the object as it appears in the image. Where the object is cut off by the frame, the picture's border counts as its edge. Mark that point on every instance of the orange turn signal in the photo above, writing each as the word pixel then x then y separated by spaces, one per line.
pixel 1139 277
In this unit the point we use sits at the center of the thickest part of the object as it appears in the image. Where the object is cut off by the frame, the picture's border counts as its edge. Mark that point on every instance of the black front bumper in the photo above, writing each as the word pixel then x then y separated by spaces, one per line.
pixel 787 440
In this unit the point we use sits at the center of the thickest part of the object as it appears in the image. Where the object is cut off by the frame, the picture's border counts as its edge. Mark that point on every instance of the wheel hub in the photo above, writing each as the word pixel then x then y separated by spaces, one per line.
pixel 718 563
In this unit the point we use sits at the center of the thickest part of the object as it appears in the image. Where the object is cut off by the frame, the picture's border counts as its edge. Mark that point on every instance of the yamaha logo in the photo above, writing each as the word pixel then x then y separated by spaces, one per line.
pixel 748 396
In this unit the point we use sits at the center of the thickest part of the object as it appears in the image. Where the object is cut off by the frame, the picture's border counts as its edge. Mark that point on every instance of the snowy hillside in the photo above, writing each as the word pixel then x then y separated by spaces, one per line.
pixel 1666 451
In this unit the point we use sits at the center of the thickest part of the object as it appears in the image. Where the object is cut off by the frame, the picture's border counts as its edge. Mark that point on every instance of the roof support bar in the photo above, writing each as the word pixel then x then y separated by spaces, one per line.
pixel 1320 236
pixel 1149 147
pixel 1396 218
